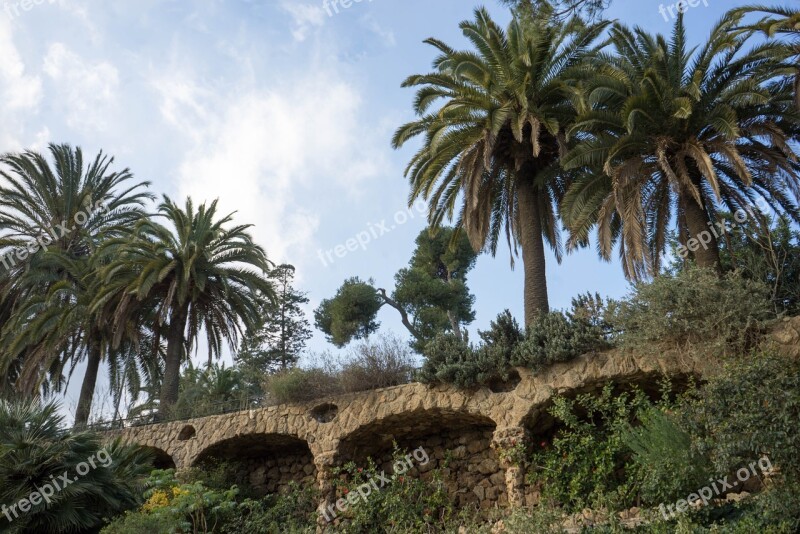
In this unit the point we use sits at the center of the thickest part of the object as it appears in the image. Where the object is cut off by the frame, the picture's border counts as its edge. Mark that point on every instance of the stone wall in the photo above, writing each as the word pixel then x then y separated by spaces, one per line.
pixel 464 458
pixel 268 475
pixel 462 430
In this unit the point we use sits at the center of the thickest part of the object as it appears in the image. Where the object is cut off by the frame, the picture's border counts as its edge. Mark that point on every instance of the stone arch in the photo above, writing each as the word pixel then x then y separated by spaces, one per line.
pixel 538 422
pixel 161 458
pixel 265 462
pixel 458 443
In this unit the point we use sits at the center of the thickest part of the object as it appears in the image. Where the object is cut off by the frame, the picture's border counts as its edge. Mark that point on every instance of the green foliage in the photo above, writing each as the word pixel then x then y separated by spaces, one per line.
pixel 431 294
pixel 553 338
pixel 584 464
pixel 767 251
pixel 211 390
pixel 135 522
pixel 750 410
pixel 35 451
pixel 503 336
pixel 351 314
pixel 281 333
pixel 664 466
pixel 182 507
pixel 300 385
pixel 449 360
pixel 292 512
pixel 405 504
pixel 695 308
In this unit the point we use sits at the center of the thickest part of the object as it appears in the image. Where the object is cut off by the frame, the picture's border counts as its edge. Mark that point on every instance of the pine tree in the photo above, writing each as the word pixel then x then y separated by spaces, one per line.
pixel 283 331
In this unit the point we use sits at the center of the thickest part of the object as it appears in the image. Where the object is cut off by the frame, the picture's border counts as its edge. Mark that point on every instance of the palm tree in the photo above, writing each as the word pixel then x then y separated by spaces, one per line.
pixel 70 209
pixel 64 318
pixel 493 144
pixel 778 21
pixel 34 453
pixel 196 276
pixel 667 135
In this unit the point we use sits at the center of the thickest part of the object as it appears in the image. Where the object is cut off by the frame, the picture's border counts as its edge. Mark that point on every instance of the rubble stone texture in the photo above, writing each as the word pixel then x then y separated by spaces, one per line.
pixel 463 432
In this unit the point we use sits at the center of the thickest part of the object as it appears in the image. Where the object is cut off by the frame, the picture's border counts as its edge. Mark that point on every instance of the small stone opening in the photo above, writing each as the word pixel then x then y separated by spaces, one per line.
pixel 187 433
pixel 324 413
pixel 499 385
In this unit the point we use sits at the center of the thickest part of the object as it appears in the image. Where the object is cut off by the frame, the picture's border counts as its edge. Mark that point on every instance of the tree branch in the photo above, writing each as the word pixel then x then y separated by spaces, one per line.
pixel 403 313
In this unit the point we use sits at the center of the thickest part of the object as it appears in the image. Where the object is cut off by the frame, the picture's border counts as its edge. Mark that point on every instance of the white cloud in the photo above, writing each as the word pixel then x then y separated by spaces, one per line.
pixel 387 36
pixel 265 152
pixel 306 17
pixel 21 92
pixel 87 90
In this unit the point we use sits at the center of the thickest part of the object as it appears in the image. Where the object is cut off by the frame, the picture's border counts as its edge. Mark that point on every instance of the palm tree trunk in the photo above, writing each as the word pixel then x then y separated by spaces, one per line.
pixel 706 247
pixel 173 361
pixel 529 226
pixel 84 408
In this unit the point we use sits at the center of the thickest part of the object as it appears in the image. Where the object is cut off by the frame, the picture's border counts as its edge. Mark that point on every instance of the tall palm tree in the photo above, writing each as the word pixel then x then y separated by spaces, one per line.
pixel 671 135
pixel 492 145
pixel 64 318
pixel 778 21
pixel 70 207
pixel 197 275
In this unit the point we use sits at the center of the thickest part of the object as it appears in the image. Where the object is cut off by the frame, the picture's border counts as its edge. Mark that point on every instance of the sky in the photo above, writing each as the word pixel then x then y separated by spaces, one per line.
pixel 281 109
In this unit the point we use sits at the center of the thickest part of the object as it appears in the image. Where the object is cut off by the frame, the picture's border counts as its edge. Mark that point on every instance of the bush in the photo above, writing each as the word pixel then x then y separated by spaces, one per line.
pixel 293 512
pixel 585 463
pixel 405 504
pixel 751 409
pixel 695 308
pixel 665 467
pixel 383 363
pixel 554 337
pixel 35 452
pixel 301 385
pixel 187 507
pixel 453 361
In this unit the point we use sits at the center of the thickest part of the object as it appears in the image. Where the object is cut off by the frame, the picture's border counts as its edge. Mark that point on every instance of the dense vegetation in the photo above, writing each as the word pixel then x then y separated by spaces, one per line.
pixel 684 161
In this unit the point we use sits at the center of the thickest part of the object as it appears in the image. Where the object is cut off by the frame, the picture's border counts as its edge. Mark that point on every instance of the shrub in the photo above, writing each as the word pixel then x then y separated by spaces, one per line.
pixel 554 337
pixel 664 466
pixel 405 504
pixel 293 512
pixel 187 507
pixel 382 363
pixel 35 451
pixel 503 336
pixel 300 385
pixel 695 308
pixel 751 409
pixel 453 361
pixel 585 463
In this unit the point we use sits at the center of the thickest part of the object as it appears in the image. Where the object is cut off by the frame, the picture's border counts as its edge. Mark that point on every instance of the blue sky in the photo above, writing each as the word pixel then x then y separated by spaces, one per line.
pixel 275 107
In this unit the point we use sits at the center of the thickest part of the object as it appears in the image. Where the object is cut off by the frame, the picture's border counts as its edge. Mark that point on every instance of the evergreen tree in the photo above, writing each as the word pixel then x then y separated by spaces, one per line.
pixel 431 294
pixel 282 333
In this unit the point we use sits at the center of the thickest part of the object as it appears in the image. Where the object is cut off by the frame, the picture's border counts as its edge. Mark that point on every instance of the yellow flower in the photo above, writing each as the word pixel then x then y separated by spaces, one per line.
pixel 159 499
